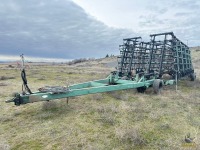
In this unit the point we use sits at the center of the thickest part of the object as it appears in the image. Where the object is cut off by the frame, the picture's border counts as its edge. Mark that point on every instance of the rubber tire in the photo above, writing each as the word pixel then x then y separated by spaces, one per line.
pixel 192 76
pixel 141 89
pixel 157 86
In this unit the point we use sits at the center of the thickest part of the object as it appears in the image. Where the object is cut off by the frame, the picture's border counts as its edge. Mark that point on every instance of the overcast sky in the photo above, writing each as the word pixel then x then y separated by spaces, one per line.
pixel 70 29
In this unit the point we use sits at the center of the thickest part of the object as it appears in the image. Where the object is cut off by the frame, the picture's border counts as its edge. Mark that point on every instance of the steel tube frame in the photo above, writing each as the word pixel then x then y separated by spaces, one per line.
pixel 92 87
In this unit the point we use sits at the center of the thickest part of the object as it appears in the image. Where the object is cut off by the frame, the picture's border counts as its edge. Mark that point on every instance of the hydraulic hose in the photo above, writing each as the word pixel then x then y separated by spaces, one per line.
pixel 25 83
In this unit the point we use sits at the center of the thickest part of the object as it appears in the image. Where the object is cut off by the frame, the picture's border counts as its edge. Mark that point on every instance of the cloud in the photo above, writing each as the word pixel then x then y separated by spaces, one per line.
pixel 63 29
pixel 57 28
pixel 181 17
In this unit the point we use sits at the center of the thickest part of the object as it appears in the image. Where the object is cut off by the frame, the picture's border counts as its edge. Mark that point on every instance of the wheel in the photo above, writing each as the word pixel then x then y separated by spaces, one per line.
pixel 141 89
pixel 157 86
pixel 192 76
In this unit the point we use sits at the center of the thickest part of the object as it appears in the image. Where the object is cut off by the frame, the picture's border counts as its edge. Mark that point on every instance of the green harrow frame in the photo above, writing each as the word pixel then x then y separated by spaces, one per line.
pixel 148 60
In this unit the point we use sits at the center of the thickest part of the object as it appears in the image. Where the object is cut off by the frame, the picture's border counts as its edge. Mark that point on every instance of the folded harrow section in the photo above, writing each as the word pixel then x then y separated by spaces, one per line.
pixel 164 54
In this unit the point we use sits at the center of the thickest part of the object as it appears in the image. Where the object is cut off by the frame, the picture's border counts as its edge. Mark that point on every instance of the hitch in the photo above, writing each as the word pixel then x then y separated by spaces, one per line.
pixel 16 99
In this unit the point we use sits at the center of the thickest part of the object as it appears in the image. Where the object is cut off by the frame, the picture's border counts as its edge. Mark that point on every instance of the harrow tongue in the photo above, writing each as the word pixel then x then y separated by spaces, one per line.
pixel 16 99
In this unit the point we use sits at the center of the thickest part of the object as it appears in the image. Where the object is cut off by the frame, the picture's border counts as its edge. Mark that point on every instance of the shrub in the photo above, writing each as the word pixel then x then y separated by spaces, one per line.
pixel 6 77
pixel 119 95
pixel 116 94
pixel 4 145
pixel 195 84
pixel 107 118
pixel 42 78
pixel 3 84
pixel 97 96
pixel 49 105
pixel 131 136
pixel 5 119
pixel 75 61
pixel 107 114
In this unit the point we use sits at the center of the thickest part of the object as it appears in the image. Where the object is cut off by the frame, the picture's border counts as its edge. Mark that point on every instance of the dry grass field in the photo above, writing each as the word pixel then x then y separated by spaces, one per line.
pixel 114 120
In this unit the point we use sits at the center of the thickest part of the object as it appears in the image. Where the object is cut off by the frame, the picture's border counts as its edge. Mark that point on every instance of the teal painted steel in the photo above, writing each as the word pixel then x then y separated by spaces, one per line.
pixel 112 83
